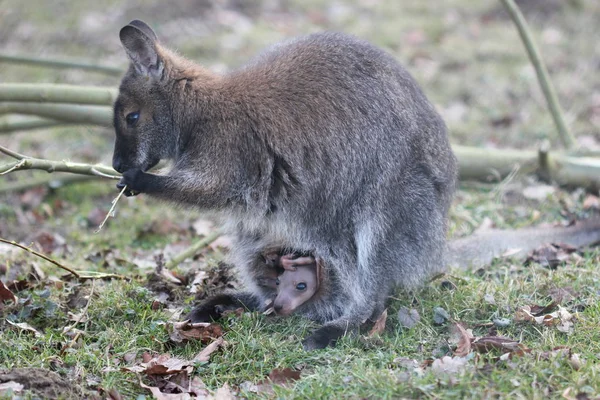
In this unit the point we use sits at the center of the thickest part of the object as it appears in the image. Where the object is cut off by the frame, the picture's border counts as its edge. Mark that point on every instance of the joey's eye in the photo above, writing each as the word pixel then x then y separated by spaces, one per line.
pixel 132 118
pixel 301 286
pixel 277 281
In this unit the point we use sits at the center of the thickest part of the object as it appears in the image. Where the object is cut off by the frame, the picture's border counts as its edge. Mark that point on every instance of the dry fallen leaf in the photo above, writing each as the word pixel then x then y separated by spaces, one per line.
pixel 203 331
pixel 379 325
pixel 158 395
pixel 465 338
pixel 562 295
pixel 163 364
pixel 24 326
pixel 283 376
pixel 204 355
pixel 552 255
pixel 170 276
pixel 224 393
pixel 279 377
pixel 504 344
pixel 590 202
pixel 562 319
pixel 80 317
pixel 198 281
pixel 538 310
pixel 6 294
pixel 573 359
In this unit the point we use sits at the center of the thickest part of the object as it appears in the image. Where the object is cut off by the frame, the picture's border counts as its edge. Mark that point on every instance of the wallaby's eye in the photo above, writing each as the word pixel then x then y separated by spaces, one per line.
pixel 277 281
pixel 301 286
pixel 132 118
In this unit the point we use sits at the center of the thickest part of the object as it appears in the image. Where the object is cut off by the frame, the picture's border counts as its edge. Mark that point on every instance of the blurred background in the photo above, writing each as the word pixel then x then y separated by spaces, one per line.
pixel 467 56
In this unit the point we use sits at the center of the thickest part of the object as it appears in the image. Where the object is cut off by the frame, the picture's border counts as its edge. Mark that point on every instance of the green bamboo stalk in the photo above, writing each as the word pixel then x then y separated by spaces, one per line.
pixel 61 64
pixel 95 115
pixel 54 93
pixel 193 249
pixel 50 181
pixel 564 133
pixel 28 124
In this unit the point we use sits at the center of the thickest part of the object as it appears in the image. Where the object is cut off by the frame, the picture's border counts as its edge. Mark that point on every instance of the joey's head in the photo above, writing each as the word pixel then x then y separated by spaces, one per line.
pixel 143 117
pixel 296 287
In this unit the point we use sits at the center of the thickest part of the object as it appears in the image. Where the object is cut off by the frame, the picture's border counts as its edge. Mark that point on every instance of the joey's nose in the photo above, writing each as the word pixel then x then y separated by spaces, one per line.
pixel 277 307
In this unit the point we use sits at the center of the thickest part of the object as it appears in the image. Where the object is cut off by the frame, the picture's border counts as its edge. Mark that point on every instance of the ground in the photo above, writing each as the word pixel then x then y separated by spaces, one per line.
pixel 471 64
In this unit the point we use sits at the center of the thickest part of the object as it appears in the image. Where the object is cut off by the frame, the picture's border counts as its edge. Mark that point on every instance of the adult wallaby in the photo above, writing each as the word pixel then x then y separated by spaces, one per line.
pixel 323 144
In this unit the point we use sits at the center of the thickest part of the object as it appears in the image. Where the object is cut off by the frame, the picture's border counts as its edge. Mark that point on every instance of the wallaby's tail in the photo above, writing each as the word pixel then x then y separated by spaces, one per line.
pixel 481 248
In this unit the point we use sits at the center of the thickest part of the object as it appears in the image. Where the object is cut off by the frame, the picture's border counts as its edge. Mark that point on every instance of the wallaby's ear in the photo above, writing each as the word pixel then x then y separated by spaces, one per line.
pixel 139 41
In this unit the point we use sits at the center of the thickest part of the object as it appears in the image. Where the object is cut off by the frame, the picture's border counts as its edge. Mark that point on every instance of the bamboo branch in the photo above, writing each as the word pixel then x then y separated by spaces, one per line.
pixel 62 64
pixel 565 135
pixel 481 164
pixel 474 164
pixel 28 124
pixel 59 265
pixel 193 249
pixel 95 115
pixel 50 181
pixel 24 162
pixel 54 93
pixel 81 275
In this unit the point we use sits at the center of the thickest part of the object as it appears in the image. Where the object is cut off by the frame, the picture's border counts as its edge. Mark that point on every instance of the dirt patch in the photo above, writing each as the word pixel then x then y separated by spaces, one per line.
pixel 43 383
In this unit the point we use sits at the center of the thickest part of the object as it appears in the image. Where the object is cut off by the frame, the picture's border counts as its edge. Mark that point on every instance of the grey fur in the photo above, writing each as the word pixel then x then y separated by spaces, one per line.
pixel 323 144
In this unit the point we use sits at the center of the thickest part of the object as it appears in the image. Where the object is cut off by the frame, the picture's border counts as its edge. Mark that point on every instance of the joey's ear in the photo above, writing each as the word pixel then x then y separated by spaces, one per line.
pixel 139 41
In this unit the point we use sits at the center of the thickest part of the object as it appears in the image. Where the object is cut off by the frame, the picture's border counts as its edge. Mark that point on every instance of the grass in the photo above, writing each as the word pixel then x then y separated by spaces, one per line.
pixel 470 63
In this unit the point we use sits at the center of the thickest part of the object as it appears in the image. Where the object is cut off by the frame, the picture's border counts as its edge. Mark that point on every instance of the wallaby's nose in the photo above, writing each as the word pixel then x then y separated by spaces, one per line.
pixel 277 307
pixel 117 165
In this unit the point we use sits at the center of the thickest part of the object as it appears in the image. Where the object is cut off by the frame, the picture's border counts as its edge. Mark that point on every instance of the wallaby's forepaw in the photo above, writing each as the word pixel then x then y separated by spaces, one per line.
pixel 323 337
pixel 132 179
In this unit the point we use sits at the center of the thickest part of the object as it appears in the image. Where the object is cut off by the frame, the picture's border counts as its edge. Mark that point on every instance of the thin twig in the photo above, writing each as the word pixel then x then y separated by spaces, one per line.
pixel 111 211
pixel 11 153
pixel 59 265
pixel 193 249
pixel 564 133
pixel 84 275
pixel 83 312
pixel 55 166
pixel 81 275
